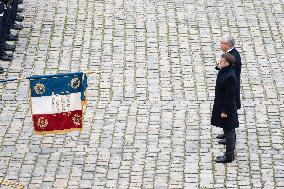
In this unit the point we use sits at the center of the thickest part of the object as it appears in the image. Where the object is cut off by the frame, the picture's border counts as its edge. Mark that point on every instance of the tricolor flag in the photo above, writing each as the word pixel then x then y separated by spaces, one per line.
pixel 56 102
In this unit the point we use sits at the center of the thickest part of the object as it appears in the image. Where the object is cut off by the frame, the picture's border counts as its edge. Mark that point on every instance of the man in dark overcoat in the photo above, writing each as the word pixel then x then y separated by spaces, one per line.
pixel 224 113
pixel 227 45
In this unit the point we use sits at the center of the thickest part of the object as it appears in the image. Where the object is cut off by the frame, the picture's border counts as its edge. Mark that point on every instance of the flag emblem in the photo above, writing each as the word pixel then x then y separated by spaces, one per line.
pixel 39 88
pixel 77 119
pixel 42 122
pixel 56 102
pixel 75 83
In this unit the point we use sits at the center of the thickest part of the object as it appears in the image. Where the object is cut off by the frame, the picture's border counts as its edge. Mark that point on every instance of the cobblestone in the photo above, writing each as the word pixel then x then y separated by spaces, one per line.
pixel 147 123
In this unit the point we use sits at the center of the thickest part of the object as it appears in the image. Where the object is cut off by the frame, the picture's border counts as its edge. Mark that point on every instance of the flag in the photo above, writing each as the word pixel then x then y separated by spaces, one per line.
pixel 56 102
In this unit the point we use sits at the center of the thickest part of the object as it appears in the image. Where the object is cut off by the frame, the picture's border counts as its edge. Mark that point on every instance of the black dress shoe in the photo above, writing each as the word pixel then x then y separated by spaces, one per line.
pixel 5 57
pixel 222 141
pixel 8 47
pixel 12 37
pixel 220 136
pixel 16 26
pixel 9 55
pixel 1 70
pixel 224 159
pixel 19 18
pixel 20 10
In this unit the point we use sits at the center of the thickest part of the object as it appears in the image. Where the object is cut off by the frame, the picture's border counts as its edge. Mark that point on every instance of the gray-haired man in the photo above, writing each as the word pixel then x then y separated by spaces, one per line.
pixel 227 44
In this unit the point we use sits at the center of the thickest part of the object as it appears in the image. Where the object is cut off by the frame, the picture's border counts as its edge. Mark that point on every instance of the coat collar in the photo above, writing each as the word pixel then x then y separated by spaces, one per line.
pixel 225 69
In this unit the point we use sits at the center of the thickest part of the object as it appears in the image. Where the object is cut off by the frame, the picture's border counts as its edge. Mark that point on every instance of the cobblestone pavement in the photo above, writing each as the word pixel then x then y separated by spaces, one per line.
pixel 147 124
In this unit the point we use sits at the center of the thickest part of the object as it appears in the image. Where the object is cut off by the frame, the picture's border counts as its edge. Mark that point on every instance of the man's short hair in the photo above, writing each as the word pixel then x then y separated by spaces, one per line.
pixel 229 58
pixel 229 40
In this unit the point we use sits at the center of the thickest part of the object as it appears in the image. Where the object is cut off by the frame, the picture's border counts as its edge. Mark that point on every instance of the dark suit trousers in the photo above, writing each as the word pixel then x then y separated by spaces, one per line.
pixel 230 135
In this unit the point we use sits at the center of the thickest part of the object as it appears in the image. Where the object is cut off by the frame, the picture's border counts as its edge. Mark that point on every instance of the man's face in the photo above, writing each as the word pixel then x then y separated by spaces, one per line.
pixel 224 46
pixel 223 63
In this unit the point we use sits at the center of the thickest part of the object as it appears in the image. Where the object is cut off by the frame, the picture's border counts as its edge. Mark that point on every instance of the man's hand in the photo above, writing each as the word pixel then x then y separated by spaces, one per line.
pixel 223 115
pixel 217 66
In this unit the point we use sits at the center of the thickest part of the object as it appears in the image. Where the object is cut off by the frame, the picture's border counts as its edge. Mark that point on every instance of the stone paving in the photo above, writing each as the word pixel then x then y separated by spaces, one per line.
pixel 147 123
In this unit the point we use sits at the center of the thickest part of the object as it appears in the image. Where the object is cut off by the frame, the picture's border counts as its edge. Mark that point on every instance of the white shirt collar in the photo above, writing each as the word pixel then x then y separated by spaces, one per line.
pixel 230 49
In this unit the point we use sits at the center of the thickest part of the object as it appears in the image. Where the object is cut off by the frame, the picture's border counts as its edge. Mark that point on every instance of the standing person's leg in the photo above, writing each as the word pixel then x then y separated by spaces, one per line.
pixel 10 36
pixel 230 147
pixel 6 30
pixel 2 16
pixel 3 55
pixel 16 17
pixel 230 143
pixel 222 138
pixel 13 10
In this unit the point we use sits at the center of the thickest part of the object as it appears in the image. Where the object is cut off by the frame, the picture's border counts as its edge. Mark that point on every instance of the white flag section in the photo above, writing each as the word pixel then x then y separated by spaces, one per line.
pixel 56 103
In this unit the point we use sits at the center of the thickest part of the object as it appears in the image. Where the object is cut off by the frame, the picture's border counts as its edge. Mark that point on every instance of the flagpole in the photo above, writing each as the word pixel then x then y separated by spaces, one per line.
pixel 22 78
pixel 12 79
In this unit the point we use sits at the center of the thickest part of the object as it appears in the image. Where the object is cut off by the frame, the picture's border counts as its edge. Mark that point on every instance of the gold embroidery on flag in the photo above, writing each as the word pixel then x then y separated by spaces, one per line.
pixel 57 131
pixel 42 122
pixel 39 88
pixel 77 119
pixel 75 83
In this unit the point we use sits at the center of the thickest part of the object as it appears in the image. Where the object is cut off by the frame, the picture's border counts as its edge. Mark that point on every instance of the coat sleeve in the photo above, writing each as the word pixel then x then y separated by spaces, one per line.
pixel 238 75
pixel 230 86
pixel 238 67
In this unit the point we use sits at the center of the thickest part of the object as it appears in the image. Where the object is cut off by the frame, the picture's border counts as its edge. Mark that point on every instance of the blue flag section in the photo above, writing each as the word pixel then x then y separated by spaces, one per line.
pixel 58 84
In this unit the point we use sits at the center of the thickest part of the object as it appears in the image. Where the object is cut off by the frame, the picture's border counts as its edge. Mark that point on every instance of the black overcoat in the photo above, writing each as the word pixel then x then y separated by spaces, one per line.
pixel 225 100
pixel 237 66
